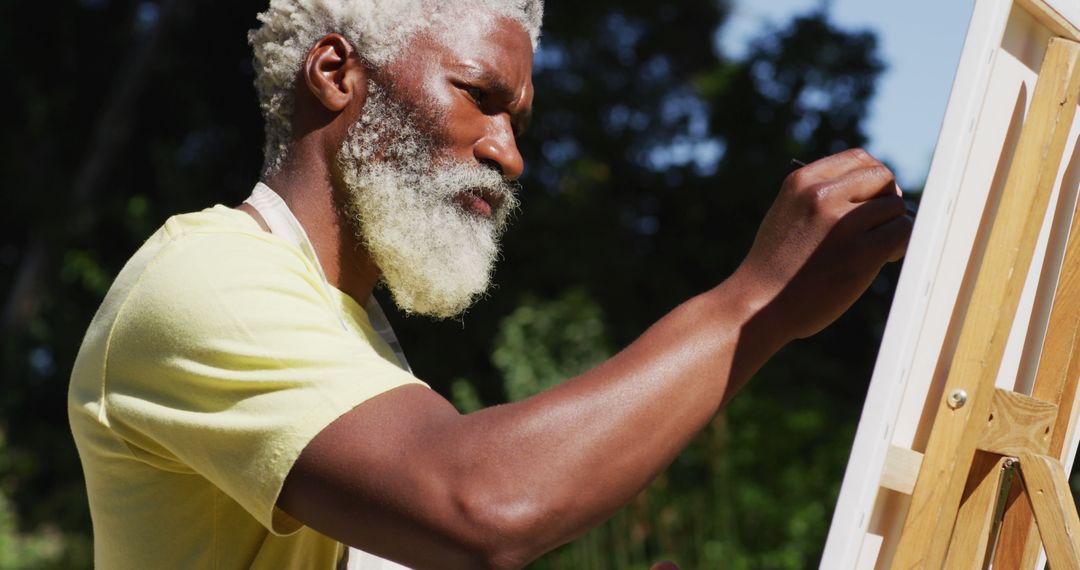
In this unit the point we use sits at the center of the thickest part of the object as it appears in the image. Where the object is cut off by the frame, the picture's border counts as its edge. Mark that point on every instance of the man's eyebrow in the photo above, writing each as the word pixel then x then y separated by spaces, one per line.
pixel 497 86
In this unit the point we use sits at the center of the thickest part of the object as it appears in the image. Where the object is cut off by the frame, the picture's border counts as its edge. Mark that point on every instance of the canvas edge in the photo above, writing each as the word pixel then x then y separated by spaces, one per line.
pixel 851 516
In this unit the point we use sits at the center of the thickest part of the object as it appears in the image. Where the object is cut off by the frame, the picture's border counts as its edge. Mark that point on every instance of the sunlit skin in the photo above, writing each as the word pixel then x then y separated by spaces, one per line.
pixel 405 476
pixel 478 93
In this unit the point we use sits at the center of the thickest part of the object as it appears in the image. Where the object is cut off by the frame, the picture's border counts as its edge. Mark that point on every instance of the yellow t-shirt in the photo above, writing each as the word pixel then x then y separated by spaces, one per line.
pixel 215 358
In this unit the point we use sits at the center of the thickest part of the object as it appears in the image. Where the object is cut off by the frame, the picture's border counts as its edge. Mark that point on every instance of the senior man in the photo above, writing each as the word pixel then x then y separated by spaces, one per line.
pixel 239 400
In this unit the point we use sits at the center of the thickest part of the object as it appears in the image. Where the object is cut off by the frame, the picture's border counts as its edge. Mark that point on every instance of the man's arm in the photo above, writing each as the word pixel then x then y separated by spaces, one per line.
pixel 406 477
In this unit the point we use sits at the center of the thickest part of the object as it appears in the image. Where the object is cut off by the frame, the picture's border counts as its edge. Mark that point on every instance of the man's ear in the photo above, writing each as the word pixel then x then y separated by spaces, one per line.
pixel 334 74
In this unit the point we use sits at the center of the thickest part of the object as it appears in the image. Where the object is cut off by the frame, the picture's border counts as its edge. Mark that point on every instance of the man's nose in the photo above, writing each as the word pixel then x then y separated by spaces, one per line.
pixel 499 148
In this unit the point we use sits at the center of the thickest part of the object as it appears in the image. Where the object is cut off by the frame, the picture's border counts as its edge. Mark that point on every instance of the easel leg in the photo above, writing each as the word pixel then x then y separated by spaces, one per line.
pixel 973 523
pixel 1047 488
pixel 1018 542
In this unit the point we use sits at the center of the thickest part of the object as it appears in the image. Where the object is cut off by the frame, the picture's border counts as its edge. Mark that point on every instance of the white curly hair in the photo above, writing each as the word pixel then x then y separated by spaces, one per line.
pixel 378 29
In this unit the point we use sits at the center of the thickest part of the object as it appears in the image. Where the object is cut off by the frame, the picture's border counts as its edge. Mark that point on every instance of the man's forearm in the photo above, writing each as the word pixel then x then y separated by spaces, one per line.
pixel 503 485
pixel 615 427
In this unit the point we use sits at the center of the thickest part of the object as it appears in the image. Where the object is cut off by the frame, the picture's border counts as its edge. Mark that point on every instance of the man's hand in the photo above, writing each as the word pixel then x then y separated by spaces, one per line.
pixel 835 223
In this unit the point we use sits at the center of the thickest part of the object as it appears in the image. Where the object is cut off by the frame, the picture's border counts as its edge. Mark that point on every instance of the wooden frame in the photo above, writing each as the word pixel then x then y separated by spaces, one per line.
pixel 1001 60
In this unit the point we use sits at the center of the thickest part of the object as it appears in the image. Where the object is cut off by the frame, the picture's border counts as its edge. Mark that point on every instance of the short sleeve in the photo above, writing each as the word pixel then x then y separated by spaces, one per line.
pixel 228 357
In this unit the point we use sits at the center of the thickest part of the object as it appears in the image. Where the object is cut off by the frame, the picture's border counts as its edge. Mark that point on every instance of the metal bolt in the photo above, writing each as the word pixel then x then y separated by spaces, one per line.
pixel 957 399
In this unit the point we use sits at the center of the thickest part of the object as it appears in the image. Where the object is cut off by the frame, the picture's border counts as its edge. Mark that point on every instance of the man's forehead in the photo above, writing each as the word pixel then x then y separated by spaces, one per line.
pixel 487 44
pixel 487 51
pixel 484 30
pixel 489 47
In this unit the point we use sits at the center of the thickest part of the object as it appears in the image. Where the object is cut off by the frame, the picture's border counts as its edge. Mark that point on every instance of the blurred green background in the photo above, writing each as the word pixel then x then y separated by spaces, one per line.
pixel 651 159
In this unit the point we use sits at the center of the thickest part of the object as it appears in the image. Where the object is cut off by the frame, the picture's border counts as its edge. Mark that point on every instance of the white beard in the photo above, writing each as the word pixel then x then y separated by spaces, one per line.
pixel 436 258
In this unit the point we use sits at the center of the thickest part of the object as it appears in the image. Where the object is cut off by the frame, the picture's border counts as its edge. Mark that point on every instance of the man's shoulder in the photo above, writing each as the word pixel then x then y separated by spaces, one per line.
pixel 198 261
pixel 208 248
pixel 218 225
pixel 202 278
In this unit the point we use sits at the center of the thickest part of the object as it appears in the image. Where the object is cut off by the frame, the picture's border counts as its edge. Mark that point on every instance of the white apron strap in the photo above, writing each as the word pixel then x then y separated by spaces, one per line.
pixel 282 223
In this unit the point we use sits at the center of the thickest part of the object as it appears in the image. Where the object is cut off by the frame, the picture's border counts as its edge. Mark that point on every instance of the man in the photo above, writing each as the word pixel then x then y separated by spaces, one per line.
pixel 235 405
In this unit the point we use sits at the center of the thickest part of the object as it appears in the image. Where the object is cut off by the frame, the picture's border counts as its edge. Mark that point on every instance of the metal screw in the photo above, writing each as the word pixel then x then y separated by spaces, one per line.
pixel 957 399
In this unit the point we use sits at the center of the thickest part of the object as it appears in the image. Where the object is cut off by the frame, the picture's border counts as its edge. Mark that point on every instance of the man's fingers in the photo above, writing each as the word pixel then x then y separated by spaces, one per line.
pixel 873 213
pixel 890 240
pixel 853 175
pixel 836 165
pixel 863 184
pixel 665 565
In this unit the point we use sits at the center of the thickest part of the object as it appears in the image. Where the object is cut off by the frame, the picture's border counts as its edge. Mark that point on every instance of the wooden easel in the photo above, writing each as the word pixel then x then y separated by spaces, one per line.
pixel 982 433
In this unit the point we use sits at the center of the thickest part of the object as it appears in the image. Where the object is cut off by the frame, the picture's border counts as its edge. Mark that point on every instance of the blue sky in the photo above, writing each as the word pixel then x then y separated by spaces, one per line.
pixel 920 42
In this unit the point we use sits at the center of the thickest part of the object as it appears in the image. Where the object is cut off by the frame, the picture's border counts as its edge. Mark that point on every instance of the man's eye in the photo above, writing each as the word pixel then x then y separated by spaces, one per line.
pixel 476 93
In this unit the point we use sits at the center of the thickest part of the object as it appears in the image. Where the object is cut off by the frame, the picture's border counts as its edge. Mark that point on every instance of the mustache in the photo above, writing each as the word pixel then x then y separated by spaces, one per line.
pixel 451 178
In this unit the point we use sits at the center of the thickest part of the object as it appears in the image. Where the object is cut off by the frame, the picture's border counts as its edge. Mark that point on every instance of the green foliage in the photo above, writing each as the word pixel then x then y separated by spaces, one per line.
pixel 463 394
pixel 19 551
pixel 542 344
pixel 81 268
pixel 45 548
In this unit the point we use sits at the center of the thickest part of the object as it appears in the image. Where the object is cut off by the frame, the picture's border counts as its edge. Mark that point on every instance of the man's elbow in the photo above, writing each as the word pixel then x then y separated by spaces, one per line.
pixel 506 533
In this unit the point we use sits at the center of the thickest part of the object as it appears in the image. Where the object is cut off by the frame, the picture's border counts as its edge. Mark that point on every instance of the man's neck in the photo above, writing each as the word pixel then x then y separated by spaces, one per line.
pixel 304 183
